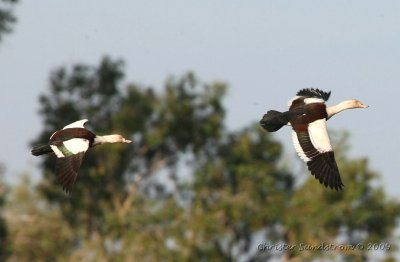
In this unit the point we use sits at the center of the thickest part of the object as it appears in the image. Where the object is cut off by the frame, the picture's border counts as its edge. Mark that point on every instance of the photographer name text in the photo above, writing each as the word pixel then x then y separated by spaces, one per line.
pixel 324 247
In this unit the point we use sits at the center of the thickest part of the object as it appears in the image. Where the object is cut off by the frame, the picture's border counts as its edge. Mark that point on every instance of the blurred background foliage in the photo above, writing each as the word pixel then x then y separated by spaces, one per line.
pixel 187 189
pixel 7 17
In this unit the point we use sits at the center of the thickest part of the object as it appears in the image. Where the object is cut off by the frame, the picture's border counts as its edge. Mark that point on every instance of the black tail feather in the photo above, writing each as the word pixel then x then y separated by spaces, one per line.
pixel 273 121
pixel 41 150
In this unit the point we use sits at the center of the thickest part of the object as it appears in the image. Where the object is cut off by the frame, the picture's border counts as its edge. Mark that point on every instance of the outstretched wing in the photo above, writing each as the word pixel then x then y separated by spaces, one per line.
pixel 308 96
pixel 67 169
pixel 77 124
pixel 313 146
pixel 314 93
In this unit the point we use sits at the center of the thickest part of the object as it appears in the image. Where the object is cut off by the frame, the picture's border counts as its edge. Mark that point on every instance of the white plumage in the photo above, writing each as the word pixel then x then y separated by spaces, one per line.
pixel 307 115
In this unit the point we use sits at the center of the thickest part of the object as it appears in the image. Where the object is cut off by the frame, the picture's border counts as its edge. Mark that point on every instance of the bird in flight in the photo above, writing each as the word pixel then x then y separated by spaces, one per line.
pixel 307 115
pixel 70 145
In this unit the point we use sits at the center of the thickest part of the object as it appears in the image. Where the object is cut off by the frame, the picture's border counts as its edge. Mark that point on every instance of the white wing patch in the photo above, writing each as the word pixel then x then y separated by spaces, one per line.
pixel 306 100
pixel 313 100
pixel 79 123
pixel 77 145
pixel 74 145
pixel 319 136
pixel 298 148
pixel 57 151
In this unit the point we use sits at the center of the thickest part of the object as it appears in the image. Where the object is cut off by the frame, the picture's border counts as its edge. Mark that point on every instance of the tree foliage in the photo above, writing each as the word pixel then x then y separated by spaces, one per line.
pixel 188 188
pixel 6 20
pixel 3 227
pixel 359 217
pixel 37 231
pixel 7 17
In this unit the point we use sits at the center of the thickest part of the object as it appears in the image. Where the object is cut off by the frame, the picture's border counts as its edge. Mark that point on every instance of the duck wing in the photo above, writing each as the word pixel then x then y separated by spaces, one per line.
pixel 314 93
pixel 66 148
pixel 69 159
pixel 314 147
pixel 77 124
pixel 308 96
pixel 67 169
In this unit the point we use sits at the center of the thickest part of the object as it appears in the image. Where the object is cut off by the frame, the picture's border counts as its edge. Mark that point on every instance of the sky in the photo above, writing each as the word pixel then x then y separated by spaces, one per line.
pixel 264 50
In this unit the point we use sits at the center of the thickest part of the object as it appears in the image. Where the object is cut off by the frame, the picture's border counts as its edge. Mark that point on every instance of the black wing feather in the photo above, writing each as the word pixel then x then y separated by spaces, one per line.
pixel 317 93
pixel 67 169
pixel 322 165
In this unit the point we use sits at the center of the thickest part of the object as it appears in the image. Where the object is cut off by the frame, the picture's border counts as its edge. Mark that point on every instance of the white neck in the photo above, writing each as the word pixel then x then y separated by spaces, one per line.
pixel 109 139
pixel 348 104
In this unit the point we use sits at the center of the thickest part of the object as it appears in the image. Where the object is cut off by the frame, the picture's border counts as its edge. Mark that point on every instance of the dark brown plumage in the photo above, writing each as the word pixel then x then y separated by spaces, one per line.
pixel 307 115
pixel 70 145
pixel 67 169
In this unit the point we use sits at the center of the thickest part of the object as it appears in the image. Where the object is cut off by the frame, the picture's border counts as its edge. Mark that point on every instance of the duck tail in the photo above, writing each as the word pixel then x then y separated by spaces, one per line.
pixel 273 120
pixel 41 150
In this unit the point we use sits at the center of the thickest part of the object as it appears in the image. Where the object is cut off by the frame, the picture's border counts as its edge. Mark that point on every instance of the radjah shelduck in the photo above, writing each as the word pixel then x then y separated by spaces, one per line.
pixel 307 115
pixel 70 145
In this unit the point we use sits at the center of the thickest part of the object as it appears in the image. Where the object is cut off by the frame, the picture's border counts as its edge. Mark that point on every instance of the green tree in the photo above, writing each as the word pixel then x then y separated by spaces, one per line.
pixel 7 17
pixel 163 126
pixel 361 216
pixel 37 231
pixel 238 192
pixel 188 188
pixel 3 226
pixel 93 93
pixel 6 20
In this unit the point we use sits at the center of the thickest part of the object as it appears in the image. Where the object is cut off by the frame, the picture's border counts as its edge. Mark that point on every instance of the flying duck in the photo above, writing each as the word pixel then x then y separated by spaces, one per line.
pixel 307 115
pixel 70 145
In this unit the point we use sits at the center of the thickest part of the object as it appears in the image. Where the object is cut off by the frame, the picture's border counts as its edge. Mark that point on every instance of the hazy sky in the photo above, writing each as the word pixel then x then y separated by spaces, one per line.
pixel 265 50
